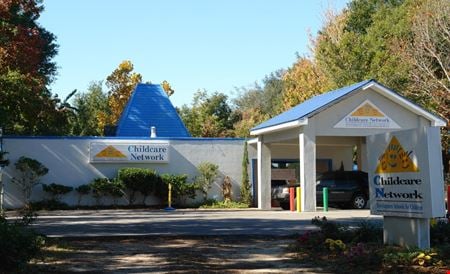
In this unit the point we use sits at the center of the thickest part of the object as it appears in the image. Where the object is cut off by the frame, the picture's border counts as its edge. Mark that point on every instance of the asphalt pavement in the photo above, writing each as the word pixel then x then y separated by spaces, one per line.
pixel 187 222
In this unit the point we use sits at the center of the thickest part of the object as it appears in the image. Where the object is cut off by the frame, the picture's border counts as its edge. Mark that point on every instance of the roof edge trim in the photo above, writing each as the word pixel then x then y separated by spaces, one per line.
pixel 279 127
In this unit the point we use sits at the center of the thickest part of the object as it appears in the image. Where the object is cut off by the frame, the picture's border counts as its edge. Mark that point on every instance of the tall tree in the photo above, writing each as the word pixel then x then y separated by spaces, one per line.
pixel 25 46
pixel 303 81
pixel 361 43
pixel 429 53
pixel 89 106
pixel 26 68
pixel 254 105
pixel 209 115
pixel 120 83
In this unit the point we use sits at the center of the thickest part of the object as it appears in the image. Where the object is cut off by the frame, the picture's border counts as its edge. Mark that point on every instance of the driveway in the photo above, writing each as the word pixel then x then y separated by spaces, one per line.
pixel 187 222
pixel 181 241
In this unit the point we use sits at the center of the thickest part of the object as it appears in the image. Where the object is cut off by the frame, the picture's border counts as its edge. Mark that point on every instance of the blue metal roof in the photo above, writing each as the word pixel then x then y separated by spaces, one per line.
pixel 150 106
pixel 311 106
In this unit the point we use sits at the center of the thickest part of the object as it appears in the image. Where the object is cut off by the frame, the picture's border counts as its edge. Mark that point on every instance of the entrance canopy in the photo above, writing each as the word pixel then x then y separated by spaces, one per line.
pixel 330 126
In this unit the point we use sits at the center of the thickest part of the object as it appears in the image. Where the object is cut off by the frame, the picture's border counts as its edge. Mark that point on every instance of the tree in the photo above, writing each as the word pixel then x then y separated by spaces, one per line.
pixel 25 46
pixel 303 81
pixel 209 115
pixel 257 104
pixel 362 43
pixel 246 196
pixel 208 173
pixel 30 172
pixel 26 68
pixel 429 55
pixel 167 88
pixel 90 105
pixel 121 83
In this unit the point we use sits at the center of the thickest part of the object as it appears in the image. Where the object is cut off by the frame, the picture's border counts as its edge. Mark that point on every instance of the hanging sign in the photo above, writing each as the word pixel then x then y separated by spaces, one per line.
pixel 129 152
pixel 367 115
pixel 405 173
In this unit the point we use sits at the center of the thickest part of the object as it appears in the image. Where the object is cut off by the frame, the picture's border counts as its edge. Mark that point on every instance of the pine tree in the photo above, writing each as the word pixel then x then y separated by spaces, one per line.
pixel 246 196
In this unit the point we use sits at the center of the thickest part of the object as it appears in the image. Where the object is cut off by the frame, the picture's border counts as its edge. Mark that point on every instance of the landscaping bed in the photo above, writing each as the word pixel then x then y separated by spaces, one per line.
pixel 341 249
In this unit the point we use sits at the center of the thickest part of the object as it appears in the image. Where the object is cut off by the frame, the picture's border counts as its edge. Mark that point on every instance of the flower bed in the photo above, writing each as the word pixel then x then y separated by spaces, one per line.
pixel 341 249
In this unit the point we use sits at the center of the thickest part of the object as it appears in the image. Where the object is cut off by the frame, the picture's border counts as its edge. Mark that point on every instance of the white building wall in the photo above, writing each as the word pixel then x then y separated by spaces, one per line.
pixel 68 163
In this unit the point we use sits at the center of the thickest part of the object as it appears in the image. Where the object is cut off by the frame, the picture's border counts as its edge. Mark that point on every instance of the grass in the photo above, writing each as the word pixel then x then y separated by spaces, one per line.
pixel 223 204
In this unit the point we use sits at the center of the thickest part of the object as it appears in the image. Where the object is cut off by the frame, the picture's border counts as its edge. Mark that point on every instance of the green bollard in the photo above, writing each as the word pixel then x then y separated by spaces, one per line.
pixel 325 199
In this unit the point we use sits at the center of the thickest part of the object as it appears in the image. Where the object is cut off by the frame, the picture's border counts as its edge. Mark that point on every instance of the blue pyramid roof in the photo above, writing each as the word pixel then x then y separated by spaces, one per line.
pixel 311 106
pixel 149 106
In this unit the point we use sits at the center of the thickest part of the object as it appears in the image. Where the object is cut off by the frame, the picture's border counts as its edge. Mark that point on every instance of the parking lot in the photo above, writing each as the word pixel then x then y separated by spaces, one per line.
pixel 181 241
pixel 142 222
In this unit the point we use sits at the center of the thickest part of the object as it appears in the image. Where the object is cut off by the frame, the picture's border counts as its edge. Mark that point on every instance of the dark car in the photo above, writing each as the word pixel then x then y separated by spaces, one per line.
pixel 345 188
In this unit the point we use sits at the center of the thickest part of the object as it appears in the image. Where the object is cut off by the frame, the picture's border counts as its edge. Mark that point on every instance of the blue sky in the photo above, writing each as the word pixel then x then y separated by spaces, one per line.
pixel 193 44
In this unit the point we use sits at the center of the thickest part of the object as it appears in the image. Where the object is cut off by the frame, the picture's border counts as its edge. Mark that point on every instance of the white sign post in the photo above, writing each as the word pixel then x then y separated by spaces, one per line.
pixel 406 183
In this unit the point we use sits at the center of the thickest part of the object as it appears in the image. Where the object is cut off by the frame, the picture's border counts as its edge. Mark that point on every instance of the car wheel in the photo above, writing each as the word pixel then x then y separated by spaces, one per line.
pixel 359 201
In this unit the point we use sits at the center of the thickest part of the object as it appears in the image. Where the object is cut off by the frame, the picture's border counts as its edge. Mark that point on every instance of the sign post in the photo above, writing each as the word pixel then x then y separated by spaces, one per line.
pixel 406 183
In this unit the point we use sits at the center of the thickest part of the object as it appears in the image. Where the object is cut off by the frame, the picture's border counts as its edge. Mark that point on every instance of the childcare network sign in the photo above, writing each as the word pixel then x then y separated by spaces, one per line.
pixel 129 152
pixel 404 175
pixel 367 115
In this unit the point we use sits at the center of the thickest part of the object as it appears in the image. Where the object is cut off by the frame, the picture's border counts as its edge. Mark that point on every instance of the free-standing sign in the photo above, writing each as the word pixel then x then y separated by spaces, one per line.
pixel 405 173
pixel 129 152
pixel 367 115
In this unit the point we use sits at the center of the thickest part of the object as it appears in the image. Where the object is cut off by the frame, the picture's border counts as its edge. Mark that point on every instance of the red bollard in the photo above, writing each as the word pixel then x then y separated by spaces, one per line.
pixel 291 198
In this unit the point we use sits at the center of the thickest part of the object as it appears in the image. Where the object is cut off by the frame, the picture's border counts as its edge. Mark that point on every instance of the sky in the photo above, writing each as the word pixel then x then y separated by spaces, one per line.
pixel 216 45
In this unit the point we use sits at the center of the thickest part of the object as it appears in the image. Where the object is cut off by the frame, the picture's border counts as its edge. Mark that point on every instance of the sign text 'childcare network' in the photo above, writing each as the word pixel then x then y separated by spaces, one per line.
pixel 129 153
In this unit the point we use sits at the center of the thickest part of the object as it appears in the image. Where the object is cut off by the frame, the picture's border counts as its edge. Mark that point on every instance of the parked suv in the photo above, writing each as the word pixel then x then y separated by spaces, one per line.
pixel 345 188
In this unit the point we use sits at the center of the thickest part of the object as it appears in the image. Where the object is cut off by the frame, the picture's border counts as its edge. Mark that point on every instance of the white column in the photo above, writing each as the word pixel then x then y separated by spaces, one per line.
pixel 307 143
pixel 264 175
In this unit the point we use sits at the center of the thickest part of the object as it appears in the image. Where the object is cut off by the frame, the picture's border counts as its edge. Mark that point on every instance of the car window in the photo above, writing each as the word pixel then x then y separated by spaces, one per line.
pixel 347 183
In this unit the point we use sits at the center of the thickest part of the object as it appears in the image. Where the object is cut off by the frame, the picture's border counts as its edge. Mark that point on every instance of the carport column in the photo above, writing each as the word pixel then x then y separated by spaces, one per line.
pixel 307 143
pixel 264 174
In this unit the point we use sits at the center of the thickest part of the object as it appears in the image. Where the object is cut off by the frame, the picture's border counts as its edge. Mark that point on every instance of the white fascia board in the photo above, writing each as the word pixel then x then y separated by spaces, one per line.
pixel 252 141
pixel 280 127
pixel 435 121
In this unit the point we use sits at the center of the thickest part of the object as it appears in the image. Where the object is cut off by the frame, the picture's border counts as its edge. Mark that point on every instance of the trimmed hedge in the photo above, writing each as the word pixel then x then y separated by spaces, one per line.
pixel 142 180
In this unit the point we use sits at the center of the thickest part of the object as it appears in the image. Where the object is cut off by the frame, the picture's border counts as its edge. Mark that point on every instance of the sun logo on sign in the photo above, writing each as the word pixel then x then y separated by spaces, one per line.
pixel 395 159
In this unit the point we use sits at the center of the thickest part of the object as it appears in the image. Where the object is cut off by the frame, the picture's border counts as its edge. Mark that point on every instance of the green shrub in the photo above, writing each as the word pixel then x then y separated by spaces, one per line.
pixel 331 230
pixel 104 187
pixel 115 189
pixel 246 195
pixel 48 205
pixel 208 173
pixel 56 191
pixel 367 232
pixel 138 180
pixel 30 172
pixel 181 189
pixel 440 232
pixel 100 188
pixel 81 191
pixel 19 244
pixel 3 161
pixel 155 187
